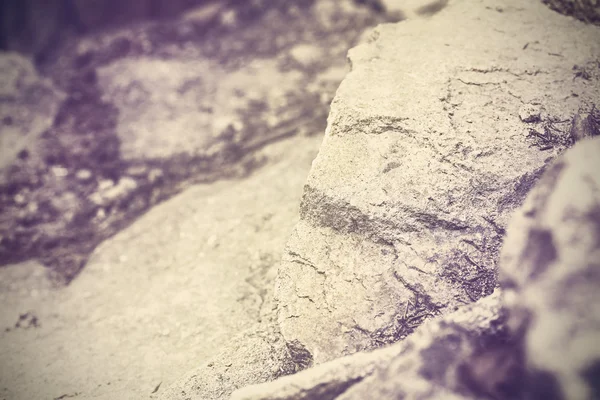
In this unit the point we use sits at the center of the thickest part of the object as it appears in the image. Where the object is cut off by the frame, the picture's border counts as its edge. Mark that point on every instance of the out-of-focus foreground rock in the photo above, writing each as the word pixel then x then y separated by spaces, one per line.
pixel 551 273
pixel 433 139
pixel 429 364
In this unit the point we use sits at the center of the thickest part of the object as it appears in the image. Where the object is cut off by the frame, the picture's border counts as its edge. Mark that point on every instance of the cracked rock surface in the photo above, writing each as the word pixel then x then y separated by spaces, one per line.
pixel 168 158
pixel 534 339
pixel 433 139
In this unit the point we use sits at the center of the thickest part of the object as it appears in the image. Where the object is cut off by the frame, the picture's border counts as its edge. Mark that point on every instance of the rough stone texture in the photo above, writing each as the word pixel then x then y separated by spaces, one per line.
pixel 424 159
pixel 28 104
pixel 585 10
pixel 191 280
pixel 258 354
pixel 551 272
pixel 190 283
pixel 431 364
pixel 552 247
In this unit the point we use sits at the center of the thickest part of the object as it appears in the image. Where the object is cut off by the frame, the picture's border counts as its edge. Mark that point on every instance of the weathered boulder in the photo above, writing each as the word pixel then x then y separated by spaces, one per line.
pixel 429 149
pixel 551 273
pixel 549 267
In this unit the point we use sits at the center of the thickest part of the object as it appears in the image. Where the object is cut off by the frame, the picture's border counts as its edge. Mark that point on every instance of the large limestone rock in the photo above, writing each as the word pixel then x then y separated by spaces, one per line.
pixel 551 271
pixel 434 138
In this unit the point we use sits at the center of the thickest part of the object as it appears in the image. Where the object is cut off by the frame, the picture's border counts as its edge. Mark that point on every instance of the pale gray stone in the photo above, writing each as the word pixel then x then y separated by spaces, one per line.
pixel 424 160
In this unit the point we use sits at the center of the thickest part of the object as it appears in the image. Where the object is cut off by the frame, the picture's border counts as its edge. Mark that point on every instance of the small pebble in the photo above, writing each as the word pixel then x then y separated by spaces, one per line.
pixel 59 172
pixel 83 174
pixel 229 18
pixel 530 113
pixel 108 192
pixel 19 199
pixel 137 170
pixel 105 184
pixel 32 207
pixel 100 214
pixel 154 175
pixel 306 54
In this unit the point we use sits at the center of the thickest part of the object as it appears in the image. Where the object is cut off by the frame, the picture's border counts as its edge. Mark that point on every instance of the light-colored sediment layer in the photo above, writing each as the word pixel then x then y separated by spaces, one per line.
pixel 160 297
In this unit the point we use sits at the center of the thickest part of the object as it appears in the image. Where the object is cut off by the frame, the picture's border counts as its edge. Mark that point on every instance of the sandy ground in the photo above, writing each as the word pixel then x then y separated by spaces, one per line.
pixel 158 298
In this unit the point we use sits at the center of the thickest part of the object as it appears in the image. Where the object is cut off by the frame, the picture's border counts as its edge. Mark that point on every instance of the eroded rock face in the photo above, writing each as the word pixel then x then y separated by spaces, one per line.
pixel 549 269
pixel 426 155
pixel 551 272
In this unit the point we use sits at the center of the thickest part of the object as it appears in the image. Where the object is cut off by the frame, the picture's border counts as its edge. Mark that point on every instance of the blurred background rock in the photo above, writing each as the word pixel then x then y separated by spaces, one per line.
pixel 33 27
